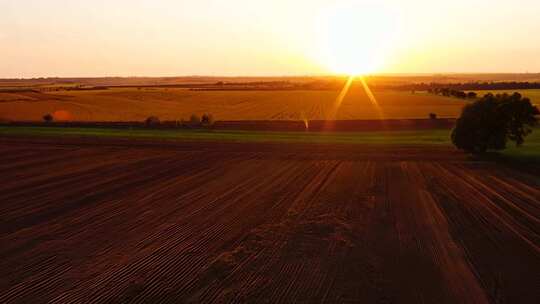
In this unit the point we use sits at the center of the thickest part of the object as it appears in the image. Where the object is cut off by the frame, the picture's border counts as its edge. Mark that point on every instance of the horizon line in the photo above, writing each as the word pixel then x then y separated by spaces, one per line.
pixel 433 74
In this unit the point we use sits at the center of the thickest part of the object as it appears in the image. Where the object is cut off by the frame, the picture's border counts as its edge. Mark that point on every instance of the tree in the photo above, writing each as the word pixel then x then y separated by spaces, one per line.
pixel 432 116
pixel 472 95
pixel 195 120
pixel 460 94
pixel 491 121
pixel 48 117
pixel 152 121
pixel 520 115
pixel 207 119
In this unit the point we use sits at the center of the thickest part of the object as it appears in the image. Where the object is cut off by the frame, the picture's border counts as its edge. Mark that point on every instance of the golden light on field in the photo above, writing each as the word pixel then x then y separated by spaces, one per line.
pixel 62 115
pixel 332 114
pixel 372 98
pixel 356 39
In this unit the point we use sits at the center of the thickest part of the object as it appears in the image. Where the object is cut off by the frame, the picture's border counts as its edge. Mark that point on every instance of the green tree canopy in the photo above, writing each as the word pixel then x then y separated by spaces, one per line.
pixel 490 122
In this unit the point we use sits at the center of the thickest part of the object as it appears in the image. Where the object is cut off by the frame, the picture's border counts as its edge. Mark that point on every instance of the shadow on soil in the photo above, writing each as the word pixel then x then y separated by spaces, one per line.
pixel 529 163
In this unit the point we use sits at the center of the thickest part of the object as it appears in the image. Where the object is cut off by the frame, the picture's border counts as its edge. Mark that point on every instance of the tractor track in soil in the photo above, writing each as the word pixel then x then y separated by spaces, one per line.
pixel 100 221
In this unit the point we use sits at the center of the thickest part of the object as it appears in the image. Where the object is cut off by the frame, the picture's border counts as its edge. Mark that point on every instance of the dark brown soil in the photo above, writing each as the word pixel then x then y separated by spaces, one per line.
pixel 117 221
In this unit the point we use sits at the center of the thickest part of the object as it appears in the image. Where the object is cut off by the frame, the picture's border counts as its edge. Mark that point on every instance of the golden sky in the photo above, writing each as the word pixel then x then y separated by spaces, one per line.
pixel 69 38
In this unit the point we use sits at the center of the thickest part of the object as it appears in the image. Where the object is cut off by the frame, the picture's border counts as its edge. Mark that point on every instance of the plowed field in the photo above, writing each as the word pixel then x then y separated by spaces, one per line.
pixel 83 221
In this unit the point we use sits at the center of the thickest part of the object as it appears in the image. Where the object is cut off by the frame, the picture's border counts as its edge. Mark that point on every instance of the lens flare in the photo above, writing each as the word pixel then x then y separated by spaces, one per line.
pixel 372 98
pixel 332 114
pixel 305 120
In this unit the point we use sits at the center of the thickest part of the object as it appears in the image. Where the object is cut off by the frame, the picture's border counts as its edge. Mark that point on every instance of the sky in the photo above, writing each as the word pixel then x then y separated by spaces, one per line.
pixel 77 38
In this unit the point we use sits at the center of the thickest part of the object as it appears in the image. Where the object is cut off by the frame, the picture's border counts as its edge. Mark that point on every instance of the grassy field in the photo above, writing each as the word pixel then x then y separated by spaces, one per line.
pixel 529 152
pixel 429 137
pixel 132 104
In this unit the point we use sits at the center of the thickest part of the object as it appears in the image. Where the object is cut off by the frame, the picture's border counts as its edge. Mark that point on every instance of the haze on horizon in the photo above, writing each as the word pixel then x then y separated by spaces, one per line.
pixel 74 38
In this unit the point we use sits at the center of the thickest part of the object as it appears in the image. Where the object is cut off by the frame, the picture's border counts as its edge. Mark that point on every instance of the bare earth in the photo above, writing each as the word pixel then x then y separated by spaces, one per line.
pixel 104 221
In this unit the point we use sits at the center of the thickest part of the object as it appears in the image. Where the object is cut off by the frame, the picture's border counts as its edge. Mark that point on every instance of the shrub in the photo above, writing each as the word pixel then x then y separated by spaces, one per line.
pixel 448 92
pixel 207 120
pixel 472 95
pixel 152 121
pixel 493 120
pixel 48 117
pixel 195 120
pixel 460 94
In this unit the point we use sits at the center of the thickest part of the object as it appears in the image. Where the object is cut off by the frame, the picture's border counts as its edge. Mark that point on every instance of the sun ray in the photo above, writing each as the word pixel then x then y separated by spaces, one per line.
pixel 372 98
pixel 304 118
pixel 332 114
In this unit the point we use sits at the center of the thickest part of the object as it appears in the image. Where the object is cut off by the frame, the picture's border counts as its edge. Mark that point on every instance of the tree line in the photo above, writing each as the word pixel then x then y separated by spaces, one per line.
pixel 448 92
pixel 469 86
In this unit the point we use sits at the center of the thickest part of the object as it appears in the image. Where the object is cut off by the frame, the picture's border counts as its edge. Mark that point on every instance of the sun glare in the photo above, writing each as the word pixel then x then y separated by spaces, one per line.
pixel 356 40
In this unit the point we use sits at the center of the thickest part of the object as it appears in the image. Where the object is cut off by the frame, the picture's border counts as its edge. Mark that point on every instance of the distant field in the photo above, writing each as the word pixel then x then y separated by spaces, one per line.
pixel 133 104
pixel 377 79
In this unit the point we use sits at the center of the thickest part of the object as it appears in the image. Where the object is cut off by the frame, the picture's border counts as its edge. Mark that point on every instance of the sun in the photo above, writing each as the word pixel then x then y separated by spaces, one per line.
pixel 356 39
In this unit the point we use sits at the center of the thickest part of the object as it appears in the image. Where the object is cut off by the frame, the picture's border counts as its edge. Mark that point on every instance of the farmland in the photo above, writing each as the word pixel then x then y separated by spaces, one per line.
pixel 136 104
pixel 154 221
pixel 271 204
pixel 310 152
